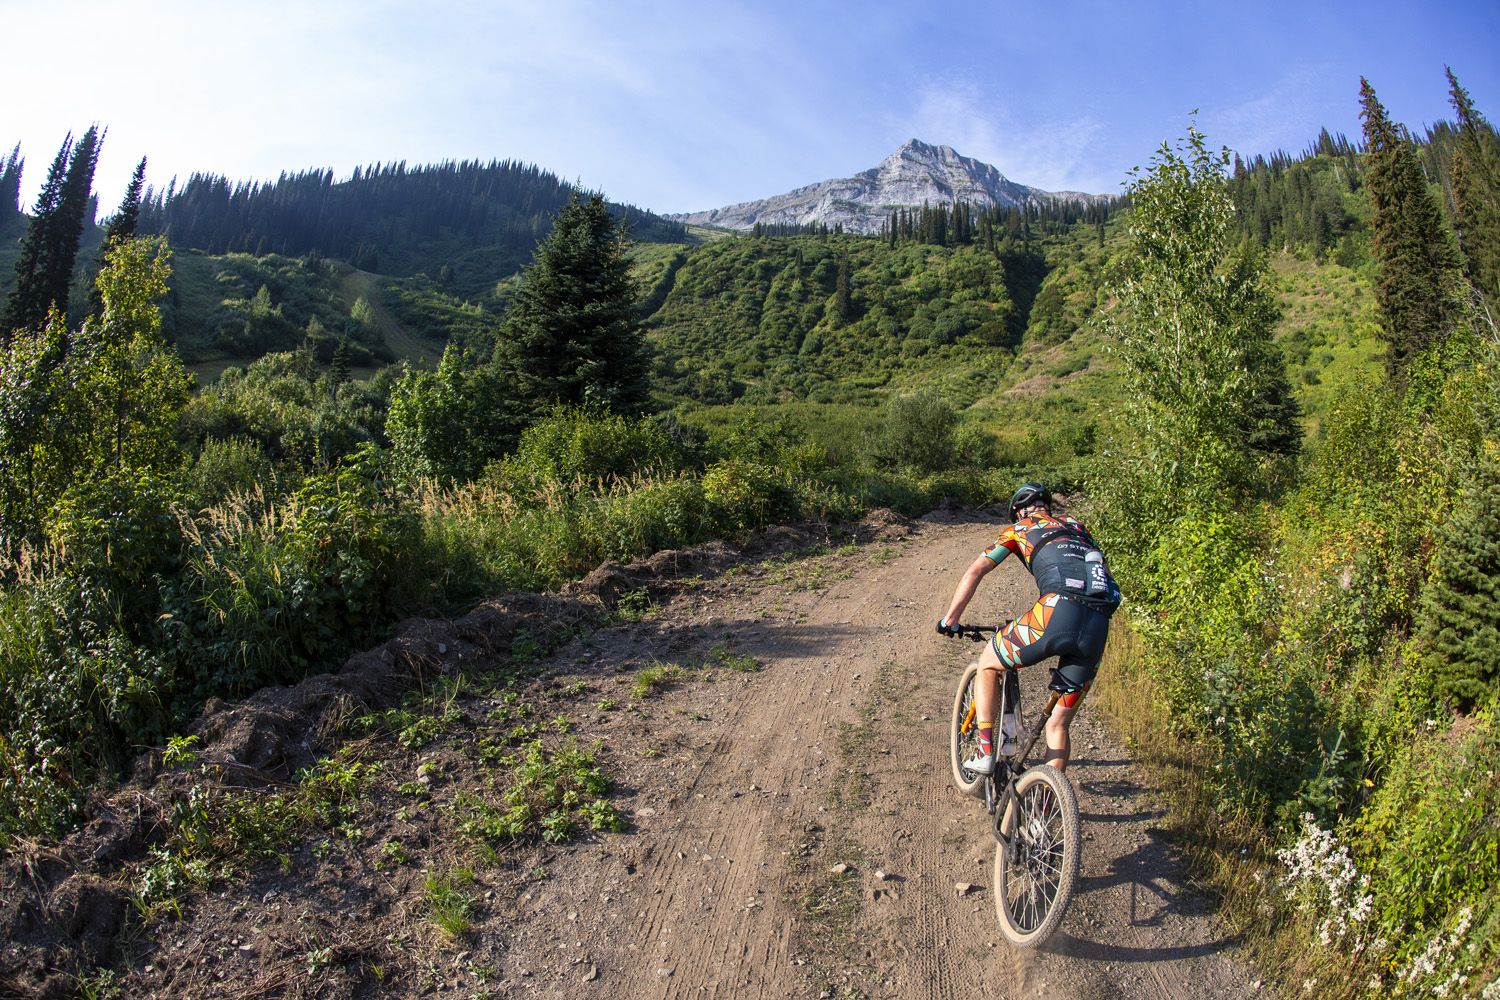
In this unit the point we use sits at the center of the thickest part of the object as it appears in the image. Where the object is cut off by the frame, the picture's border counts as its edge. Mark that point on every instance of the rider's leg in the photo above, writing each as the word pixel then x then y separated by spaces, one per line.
pixel 1058 745
pixel 986 704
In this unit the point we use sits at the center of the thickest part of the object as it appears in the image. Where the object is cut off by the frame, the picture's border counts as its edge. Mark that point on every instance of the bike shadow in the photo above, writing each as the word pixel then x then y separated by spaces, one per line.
pixel 1063 943
pixel 1145 873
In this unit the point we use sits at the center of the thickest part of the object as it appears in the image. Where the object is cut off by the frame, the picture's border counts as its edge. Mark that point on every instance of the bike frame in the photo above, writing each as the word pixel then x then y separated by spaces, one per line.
pixel 1000 783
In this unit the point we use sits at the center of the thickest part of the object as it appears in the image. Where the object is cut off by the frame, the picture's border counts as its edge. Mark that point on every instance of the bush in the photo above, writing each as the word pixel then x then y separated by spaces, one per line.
pixel 575 444
pixel 918 432
pixel 745 495
pixel 226 466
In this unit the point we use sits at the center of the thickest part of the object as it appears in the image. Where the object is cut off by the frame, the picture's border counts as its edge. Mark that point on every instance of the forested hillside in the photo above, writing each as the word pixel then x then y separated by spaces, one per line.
pixel 467 224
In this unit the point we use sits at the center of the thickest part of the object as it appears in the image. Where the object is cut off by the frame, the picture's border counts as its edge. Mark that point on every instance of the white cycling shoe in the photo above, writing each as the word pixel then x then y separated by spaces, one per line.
pixel 983 764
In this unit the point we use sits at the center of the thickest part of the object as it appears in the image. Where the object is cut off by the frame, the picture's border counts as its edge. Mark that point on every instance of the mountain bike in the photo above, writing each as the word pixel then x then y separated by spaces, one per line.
pixel 1034 811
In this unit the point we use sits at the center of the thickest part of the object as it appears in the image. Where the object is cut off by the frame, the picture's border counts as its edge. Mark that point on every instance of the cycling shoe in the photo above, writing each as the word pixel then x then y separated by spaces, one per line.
pixel 983 764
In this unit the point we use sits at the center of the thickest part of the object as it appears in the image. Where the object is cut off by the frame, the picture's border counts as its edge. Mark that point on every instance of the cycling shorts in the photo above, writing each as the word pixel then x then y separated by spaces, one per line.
pixel 1056 626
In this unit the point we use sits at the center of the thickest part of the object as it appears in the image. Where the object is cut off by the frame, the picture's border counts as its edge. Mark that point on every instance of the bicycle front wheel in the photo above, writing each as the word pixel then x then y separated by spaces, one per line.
pixel 1035 876
pixel 963 743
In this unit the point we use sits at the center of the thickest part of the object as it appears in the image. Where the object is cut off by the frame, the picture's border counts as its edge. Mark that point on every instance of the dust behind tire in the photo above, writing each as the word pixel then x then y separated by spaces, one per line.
pixel 962 746
pixel 1032 892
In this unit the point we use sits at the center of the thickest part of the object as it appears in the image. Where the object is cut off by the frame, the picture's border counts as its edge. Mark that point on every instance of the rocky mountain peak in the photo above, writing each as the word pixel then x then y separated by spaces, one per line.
pixel 915 173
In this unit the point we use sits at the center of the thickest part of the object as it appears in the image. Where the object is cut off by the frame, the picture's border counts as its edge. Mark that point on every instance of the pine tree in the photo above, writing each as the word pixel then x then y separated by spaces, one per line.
pixel 841 304
pixel 73 213
pixel 50 247
pixel 339 370
pixel 571 335
pixel 122 223
pixel 121 227
pixel 10 187
pixel 1461 604
pixel 1419 264
pixel 1476 193
pixel 26 308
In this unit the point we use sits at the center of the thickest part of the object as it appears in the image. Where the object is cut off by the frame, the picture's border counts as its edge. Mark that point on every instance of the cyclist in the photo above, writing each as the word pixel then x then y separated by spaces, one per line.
pixel 1070 620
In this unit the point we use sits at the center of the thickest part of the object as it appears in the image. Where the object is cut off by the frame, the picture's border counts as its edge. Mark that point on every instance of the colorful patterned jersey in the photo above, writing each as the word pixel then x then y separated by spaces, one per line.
pixel 1025 535
pixel 1063 558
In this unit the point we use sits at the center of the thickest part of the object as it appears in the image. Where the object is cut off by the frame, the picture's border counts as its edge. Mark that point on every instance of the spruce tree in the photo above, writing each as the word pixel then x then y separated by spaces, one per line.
pixel 10 187
pixel 1476 193
pixel 50 247
pixel 121 227
pixel 1461 602
pixel 122 223
pixel 26 308
pixel 72 207
pixel 1419 264
pixel 571 335
pixel 841 304
pixel 339 370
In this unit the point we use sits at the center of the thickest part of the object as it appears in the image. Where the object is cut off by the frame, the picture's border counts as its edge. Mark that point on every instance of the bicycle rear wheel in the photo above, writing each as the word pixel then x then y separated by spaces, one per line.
pixel 1035 876
pixel 963 743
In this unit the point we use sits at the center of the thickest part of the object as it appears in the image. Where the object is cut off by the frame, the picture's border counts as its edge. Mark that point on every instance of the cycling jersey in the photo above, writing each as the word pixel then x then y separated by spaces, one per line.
pixel 1070 619
pixel 1062 557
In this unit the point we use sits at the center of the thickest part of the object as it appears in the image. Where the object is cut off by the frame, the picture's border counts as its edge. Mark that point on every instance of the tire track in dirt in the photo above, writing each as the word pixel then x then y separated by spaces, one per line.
pixel 837 753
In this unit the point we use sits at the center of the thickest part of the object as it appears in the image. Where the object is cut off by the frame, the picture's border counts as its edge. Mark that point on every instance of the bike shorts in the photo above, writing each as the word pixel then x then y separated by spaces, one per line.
pixel 1056 626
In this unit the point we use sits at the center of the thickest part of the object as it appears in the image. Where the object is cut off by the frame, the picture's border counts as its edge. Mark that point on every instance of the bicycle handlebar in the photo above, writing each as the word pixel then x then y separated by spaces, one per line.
pixel 975 633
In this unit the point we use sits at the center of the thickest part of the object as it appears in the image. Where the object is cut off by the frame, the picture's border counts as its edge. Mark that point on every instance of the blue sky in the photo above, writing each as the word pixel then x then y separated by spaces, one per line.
pixel 679 106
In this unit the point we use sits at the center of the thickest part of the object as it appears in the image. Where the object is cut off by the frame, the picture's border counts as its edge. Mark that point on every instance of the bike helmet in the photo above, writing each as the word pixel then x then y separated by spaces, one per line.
pixel 1028 495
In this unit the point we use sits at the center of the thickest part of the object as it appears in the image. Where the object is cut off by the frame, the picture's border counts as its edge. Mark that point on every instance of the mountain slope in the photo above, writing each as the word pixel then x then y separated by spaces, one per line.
pixel 915 173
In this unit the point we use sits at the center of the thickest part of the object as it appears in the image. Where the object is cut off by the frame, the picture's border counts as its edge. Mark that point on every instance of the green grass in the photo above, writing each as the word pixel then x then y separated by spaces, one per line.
pixel 650 680
pixel 452 910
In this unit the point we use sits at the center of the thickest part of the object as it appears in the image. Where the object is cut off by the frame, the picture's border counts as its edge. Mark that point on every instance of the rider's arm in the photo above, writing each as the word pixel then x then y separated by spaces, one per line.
pixel 966 587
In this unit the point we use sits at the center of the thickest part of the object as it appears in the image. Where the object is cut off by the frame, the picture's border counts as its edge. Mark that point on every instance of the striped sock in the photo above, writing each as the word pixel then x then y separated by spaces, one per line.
pixel 987 738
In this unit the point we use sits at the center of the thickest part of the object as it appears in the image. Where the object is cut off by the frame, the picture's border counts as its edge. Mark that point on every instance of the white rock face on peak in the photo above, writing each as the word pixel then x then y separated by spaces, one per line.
pixel 915 173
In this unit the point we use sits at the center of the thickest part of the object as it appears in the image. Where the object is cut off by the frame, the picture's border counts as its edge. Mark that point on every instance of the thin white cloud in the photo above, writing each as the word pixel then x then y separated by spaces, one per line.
pixel 1052 155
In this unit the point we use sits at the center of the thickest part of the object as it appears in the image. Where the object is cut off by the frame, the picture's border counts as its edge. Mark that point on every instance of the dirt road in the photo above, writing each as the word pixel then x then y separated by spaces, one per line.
pixel 835 755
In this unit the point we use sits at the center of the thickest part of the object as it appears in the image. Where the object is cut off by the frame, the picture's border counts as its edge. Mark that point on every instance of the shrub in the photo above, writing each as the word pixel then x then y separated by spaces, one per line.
pixel 918 432
pixel 225 466
pixel 745 495
pixel 574 444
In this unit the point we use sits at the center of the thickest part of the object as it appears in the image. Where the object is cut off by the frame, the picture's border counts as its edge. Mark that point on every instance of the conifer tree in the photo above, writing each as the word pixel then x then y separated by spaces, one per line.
pixel 26 308
pixel 841 304
pixel 339 370
pixel 122 224
pixel 1461 603
pixel 571 336
pixel 121 227
pixel 50 247
pixel 1419 264
pixel 1476 193
pixel 10 186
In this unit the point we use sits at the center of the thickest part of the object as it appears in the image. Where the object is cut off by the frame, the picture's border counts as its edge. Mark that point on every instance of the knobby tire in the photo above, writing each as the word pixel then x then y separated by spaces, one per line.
pixel 963 746
pixel 1032 890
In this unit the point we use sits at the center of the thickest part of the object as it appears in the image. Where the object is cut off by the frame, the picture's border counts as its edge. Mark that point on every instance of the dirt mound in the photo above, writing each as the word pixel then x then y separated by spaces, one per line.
pixel 658 574
pixel 884 525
